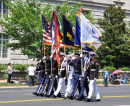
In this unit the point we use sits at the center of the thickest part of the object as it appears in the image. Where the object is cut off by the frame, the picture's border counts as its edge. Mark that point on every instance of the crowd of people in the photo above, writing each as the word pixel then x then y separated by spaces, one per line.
pixel 70 75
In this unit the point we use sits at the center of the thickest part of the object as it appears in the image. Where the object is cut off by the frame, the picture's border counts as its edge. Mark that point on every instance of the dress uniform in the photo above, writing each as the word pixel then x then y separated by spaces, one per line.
pixel 93 75
pixel 41 68
pixel 77 75
pixel 84 84
pixel 54 80
pixel 61 76
pixel 47 76
pixel 70 71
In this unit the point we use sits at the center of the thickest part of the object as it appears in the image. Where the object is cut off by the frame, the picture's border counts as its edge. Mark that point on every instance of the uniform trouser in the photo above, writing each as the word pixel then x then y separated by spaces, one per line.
pixel 53 84
pixel 69 86
pixel 84 85
pixel 45 85
pixel 92 85
pixel 40 85
pixel 60 84
pixel 76 83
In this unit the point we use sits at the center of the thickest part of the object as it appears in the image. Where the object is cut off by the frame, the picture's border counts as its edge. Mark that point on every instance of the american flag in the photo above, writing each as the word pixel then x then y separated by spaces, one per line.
pixel 46 31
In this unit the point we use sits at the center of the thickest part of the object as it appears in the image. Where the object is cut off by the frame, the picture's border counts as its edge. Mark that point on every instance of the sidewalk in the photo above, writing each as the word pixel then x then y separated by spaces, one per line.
pixel 27 86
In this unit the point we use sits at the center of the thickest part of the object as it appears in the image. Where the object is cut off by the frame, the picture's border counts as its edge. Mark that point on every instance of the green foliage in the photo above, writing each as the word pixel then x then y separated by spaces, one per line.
pixel 111 69
pixel 20 67
pixel 115 50
pixel 124 68
pixel 1 67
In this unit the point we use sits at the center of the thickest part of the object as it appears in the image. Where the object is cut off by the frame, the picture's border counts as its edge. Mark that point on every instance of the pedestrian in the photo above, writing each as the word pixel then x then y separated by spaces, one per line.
pixel 9 72
pixel 106 78
pixel 92 78
pixel 31 74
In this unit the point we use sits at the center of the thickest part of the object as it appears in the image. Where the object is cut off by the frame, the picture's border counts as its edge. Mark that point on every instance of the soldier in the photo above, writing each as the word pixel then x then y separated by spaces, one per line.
pixel 84 84
pixel 47 75
pixel 54 80
pixel 70 71
pixel 77 75
pixel 62 75
pixel 93 75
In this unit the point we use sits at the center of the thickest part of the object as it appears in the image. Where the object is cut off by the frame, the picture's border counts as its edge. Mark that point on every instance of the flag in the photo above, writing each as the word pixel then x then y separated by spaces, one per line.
pixel 68 32
pixel 89 34
pixel 46 33
pixel 46 37
pixel 77 41
pixel 55 35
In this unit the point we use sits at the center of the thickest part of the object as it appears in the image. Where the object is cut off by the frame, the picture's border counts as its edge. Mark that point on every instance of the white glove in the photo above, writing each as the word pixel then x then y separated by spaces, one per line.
pixel 95 78
pixel 54 58
pixel 73 58
pixel 51 56
pixel 81 55
pixel 49 76
pixel 65 59
pixel 44 57
pixel 64 77
pixel 80 78
pixel 56 76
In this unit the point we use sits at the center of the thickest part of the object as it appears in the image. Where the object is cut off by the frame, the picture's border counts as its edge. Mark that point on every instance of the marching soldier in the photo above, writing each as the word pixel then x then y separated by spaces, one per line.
pixel 84 84
pixel 54 80
pixel 47 75
pixel 93 75
pixel 62 75
pixel 70 71
pixel 77 75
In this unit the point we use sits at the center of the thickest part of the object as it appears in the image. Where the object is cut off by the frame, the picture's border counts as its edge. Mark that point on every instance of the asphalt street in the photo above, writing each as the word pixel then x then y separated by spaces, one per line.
pixel 110 96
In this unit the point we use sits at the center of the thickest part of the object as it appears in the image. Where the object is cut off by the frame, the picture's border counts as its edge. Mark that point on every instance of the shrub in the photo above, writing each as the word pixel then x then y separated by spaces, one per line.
pixel 110 68
pixel 124 68
pixel 1 68
pixel 20 67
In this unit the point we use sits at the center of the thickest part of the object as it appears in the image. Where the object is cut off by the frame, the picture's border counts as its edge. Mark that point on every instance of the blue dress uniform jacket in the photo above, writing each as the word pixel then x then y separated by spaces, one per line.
pixel 94 69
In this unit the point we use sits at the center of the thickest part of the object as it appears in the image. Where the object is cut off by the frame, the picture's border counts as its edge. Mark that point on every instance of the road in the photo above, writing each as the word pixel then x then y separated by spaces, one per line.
pixel 110 96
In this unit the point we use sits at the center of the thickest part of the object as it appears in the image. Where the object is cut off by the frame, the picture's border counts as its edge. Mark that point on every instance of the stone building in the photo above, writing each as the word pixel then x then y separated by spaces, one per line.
pixel 96 6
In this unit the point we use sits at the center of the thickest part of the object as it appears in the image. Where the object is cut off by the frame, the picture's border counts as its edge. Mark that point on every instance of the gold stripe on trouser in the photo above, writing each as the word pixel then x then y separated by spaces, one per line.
pixel 40 86
pixel 45 87
pixel 51 86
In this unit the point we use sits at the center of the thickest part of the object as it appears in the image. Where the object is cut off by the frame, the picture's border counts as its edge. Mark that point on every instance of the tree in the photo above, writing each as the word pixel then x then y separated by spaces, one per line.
pixel 115 50
pixel 24 24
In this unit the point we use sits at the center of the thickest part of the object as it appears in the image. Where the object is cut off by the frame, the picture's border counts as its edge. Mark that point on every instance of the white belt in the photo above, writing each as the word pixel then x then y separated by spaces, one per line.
pixel 93 69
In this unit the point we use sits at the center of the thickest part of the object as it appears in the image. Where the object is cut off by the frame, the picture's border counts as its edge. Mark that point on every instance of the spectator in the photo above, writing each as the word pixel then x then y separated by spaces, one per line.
pixel 9 72
pixel 106 77
pixel 31 74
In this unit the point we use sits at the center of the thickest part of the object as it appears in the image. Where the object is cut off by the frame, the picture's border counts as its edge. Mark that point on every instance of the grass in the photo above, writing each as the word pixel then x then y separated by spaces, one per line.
pixel 5 84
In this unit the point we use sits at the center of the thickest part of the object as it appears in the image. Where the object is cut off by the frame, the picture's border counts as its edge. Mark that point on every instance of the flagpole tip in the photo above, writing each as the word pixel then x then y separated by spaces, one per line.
pixel 41 13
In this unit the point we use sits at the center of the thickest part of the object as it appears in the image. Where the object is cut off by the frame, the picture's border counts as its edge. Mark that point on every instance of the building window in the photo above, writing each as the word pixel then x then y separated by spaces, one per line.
pixel 3 8
pixel 3 48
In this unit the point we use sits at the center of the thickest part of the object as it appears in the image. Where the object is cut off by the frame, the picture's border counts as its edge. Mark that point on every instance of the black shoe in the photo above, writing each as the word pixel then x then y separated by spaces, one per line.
pixel 78 99
pixel 88 100
pixel 97 100
pixel 59 96
pixel 41 94
pixel 71 97
pixel 34 93
pixel 54 96
pixel 47 95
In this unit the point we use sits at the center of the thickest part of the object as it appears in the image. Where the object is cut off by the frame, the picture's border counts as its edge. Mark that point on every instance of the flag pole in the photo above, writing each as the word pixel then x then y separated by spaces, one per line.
pixel 74 60
pixel 44 55
pixel 81 63
pixel 51 66
pixel 65 57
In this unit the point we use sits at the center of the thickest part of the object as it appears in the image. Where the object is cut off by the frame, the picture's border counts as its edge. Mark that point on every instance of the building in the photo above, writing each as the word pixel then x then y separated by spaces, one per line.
pixel 96 6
